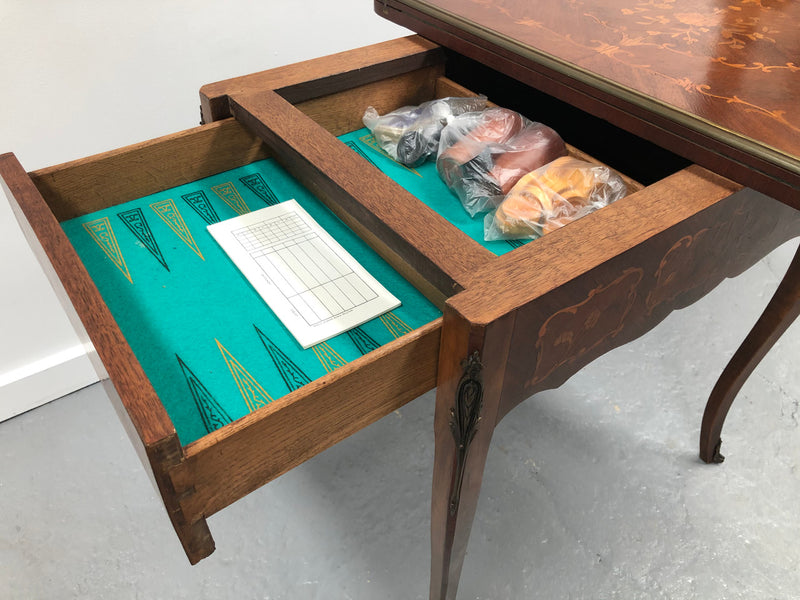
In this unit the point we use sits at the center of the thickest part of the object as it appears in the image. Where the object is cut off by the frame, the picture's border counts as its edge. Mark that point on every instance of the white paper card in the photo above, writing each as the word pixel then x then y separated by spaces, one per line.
pixel 314 286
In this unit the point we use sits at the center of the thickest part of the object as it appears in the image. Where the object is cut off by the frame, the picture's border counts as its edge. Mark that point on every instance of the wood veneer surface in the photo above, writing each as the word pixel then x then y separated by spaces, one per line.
pixel 714 82
pixel 731 63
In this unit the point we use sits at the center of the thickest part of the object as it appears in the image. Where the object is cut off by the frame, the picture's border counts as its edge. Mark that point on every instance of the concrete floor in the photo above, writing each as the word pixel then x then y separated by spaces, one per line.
pixel 593 490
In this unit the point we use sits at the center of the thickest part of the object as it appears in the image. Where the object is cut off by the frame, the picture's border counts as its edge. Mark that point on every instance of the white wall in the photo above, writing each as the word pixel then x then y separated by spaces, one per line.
pixel 83 77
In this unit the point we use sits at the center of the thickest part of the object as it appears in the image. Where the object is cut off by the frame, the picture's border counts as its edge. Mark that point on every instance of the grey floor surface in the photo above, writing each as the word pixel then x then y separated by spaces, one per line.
pixel 593 490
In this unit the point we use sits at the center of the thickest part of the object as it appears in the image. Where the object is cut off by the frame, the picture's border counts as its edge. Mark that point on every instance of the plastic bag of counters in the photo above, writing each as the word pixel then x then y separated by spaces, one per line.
pixel 411 134
pixel 483 154
pixel 552 196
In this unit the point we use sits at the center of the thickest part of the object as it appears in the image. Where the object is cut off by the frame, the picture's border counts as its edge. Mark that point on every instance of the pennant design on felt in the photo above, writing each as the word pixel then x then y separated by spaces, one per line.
pixel 254 395
pixel 200 204
pixel 135 221
pixel 329 358
pixel 170 214
pixel 256 184
pixel 231 196
pixel 396 326
pixel 102 233
pixel 363 340
pixel 369 140
pixel 292 375
pixel 214 416
pixel 357 149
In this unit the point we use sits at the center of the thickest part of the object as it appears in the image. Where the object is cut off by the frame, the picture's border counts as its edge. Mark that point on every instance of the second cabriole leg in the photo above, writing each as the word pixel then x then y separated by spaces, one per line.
pixel 782 310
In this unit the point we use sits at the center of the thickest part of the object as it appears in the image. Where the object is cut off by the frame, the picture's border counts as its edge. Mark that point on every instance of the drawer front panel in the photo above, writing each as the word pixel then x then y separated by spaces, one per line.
pixel 232 462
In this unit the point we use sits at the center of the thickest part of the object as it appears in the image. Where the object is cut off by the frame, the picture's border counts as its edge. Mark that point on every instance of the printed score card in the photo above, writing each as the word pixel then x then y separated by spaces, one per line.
pixel 313 285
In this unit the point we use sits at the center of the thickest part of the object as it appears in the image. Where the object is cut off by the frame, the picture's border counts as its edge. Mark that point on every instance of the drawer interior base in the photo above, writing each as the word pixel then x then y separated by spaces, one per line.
pixel 209 344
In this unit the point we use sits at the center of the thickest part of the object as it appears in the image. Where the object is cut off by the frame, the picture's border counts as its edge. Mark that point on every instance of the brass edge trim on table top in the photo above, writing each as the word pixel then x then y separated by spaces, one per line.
pixel 658 107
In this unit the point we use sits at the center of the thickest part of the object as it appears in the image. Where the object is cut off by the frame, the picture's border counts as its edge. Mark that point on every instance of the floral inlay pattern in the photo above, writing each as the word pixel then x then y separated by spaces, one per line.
pixel 732 62
pixel 728 35
pixel 730 26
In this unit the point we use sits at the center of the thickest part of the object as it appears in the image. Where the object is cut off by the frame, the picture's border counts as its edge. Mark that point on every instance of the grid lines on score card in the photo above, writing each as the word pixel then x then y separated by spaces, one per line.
pixel 318 284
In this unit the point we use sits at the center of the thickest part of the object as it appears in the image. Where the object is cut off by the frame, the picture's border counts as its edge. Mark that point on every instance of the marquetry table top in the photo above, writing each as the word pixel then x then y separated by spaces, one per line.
pixel 731 67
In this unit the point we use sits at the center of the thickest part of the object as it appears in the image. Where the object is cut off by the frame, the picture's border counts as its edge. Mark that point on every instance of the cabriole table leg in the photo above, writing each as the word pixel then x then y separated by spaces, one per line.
pixel 782 310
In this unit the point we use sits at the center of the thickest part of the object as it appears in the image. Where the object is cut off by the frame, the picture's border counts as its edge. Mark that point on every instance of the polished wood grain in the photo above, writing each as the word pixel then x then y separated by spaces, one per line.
pixel 733 63
pixel 136 402
pixel 82 186
pixel 635 292
pixel 716 82
pixel 311 79
pixel 676 267
pixel 415 240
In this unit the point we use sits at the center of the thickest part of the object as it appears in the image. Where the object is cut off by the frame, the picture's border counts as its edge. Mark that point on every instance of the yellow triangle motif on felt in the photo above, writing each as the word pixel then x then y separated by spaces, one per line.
pixel 254 395
pixel 170 214
pixel 231 196
pixel 103 234
pixel 329 358
pixel 396 326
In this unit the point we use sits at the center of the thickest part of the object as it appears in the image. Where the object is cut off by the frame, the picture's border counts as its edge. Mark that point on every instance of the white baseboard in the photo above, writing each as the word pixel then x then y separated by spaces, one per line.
pixel 44 380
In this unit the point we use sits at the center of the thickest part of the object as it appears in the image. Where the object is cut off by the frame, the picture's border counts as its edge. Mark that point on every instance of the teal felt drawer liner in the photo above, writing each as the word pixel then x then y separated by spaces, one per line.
pixel 210 346
pixel 424 183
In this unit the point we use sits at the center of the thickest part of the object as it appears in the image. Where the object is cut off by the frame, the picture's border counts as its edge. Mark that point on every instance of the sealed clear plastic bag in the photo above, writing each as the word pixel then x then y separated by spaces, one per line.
pixel 483 154
pixel 552 196
pixel 411 134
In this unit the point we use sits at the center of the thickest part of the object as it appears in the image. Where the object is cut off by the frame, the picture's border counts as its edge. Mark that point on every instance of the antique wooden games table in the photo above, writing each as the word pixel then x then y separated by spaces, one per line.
pixel 694 103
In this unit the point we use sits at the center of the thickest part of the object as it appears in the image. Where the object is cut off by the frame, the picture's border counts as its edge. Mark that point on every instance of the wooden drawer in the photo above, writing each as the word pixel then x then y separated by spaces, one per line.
pixel 293 115
pixel 198 478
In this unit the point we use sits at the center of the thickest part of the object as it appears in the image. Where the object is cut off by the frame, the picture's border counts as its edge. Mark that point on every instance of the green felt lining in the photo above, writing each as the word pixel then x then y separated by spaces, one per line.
pixel 209 344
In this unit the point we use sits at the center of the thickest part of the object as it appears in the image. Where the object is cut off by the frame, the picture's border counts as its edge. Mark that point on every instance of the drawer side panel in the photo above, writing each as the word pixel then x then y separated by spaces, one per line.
pixel 147 414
